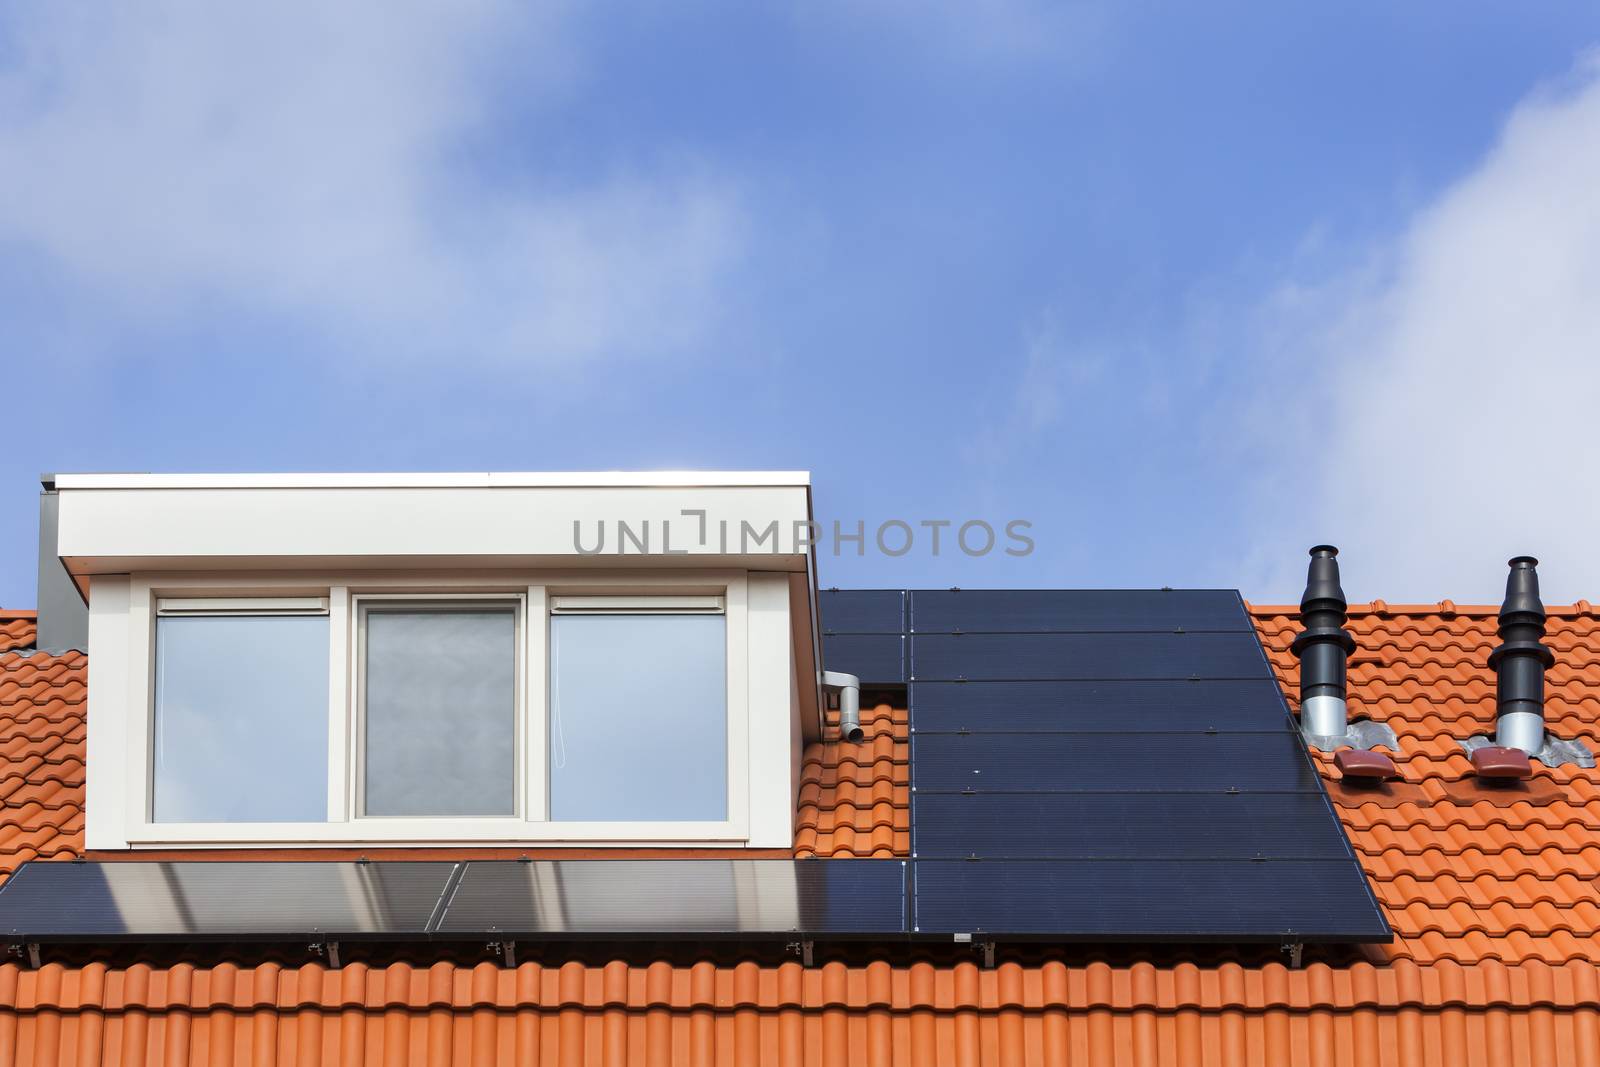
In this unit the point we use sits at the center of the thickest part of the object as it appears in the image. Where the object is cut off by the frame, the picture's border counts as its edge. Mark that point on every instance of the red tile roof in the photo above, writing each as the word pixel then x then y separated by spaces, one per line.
pixel 16 629
pixel 1494 901
pixel 42 750
pixel 1466 875
pixel 855 799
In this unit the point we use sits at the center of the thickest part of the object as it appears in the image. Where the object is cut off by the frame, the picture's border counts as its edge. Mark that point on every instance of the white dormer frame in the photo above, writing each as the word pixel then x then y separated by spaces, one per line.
pixel 770 638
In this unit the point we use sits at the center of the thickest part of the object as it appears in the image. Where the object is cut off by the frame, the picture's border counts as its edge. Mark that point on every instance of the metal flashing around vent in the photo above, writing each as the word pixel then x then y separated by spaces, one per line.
pixel 1553 752
pixel 1361 733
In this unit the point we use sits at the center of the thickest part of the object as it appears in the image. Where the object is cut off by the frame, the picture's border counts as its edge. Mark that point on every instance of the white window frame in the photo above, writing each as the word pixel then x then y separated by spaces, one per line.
pixel 134 827
pixel 356 778
pixel 665 602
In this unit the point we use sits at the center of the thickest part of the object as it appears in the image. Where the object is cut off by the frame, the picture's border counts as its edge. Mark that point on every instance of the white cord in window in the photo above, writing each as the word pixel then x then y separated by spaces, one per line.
pixel 558 737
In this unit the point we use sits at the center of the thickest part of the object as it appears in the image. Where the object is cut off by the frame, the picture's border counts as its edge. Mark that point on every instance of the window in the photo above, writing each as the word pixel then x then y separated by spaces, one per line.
pixel 562 707
pixel 440 689
pixel 241 714
pixel 638 710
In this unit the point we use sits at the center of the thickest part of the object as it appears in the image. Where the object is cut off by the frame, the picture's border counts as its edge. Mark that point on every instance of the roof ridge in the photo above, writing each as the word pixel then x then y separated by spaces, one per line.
pixel 1440 607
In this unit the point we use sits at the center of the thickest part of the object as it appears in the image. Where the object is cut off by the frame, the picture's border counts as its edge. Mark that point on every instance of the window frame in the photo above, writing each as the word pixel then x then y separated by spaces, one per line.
pixel 345 826
pixel 214 608
pixel 361 605
pixel 666 604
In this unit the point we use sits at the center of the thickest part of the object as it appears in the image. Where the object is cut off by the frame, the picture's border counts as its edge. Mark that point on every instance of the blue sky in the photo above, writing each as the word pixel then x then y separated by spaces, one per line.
pixel 1187 290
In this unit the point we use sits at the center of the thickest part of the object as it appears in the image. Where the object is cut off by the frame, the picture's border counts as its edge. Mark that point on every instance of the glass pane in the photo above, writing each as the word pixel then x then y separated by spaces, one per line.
pixel 638 717
pixel 441 712
pixel 241 732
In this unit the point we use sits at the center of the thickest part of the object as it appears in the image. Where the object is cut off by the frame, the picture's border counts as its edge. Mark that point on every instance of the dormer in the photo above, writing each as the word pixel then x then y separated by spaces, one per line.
pixel 438 659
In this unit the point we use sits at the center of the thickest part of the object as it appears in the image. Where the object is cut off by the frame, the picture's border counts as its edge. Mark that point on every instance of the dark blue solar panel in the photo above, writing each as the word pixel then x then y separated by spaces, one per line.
pixel 1149 900
pixel 406 901
pixel 1015 657
pixel 667 898
pixel 1112 706
pixel 1127 763
pixel 862 611
pixel 874 658
pixel 222 900
pixel 1124 826
pixel 1115 766
pixel 1076 610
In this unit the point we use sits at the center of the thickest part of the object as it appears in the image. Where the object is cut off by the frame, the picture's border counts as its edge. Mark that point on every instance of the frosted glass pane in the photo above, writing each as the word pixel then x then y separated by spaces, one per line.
pixel 441 712
pixel 241 730
pixel 638 717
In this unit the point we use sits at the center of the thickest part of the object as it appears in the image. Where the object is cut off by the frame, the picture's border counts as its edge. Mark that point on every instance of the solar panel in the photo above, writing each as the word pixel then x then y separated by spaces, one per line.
pixel 863 633
pixel 874 658
pixel 1113 765
pixel 1120 763
pixel 1123 706
pixel 1047 656
pixel 1138 900
pixel 1124 826
pixel 864 611
pixel 267 901
pixel 1069 610
pixel 223 900
pixel 671 898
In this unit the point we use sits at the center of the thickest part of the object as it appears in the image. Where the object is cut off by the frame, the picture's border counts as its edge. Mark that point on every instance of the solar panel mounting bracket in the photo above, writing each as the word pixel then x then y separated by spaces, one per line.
pixel 506 950
pixel 806 949
pixel 327 949
pixel 1296 951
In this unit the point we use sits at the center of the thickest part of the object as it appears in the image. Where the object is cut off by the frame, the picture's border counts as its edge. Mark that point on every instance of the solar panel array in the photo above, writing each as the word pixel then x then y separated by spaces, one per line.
pixel 1102 765
pixel 267 901
pixel 1090 766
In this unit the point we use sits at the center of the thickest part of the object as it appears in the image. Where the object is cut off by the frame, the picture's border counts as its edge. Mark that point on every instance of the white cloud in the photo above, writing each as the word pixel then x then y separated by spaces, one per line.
pixel 1441 413
pixel 327 162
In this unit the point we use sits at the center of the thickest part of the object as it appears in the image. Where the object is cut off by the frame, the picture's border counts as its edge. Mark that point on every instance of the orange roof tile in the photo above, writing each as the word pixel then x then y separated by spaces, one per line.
pixel 748 1014
pixel 1494 902
pixel 42 749
pixel 855 799
pixel 17 629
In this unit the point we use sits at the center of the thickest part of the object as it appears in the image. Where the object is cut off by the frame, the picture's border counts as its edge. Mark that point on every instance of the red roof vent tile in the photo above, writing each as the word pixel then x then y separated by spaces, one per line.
pixel 1363 763
pixel 1492 761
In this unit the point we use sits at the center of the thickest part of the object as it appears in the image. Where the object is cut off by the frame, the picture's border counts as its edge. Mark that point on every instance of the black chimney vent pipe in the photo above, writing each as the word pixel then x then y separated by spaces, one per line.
pixel 1323 646
pixel 1520 661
